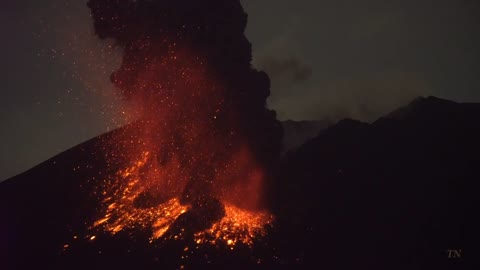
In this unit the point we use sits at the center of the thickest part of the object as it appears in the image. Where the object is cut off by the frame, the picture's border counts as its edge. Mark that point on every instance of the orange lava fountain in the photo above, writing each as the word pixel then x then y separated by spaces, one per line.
pixel 184 162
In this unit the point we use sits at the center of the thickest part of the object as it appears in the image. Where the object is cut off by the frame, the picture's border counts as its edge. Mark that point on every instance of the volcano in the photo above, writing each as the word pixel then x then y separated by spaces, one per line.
pixel 64 199
pixel 395 194
pixel 198 180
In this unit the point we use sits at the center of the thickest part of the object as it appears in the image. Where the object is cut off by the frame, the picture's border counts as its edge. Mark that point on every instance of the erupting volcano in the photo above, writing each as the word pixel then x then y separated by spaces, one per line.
pixel 196 163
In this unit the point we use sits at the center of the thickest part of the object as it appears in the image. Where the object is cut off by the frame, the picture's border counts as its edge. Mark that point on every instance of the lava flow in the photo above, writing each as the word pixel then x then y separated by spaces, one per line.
pixel 194 164
pixel 121 211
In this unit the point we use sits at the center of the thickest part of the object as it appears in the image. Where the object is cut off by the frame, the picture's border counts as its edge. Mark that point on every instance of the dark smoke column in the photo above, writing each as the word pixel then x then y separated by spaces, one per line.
pixel 152 32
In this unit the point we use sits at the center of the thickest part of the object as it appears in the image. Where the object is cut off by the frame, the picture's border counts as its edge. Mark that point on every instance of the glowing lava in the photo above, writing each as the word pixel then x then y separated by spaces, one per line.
pixel 121 212
pixel 237 226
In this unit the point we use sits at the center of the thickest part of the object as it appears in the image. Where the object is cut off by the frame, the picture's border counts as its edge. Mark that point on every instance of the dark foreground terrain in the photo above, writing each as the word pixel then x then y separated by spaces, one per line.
pixel 395 194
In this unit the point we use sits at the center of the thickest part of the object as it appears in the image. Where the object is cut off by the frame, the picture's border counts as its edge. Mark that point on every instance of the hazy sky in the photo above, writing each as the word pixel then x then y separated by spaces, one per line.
pixel 326 59
pixel 337 58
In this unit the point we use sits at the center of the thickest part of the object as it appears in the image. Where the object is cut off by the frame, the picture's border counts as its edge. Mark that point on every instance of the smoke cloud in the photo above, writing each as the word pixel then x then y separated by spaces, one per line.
pixel 186 66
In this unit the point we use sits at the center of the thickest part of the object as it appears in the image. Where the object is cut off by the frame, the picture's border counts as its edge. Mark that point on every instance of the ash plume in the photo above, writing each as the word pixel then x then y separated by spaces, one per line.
pixel 186 64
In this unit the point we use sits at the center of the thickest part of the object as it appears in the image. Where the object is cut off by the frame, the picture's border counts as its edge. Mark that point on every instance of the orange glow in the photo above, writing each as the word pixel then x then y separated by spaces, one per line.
pixel 237 226
pixel 121 212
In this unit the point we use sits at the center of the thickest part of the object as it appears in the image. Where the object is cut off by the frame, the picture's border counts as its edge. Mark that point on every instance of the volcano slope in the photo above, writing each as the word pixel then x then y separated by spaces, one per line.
pixel 53 211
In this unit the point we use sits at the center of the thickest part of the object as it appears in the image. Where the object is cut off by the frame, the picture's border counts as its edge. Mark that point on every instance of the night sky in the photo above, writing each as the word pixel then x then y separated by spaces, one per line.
pixel 326 59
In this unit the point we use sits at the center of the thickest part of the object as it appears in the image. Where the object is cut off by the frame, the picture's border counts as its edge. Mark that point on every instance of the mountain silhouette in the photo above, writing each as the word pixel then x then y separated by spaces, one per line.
pixel 395 194
pixel 398 193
